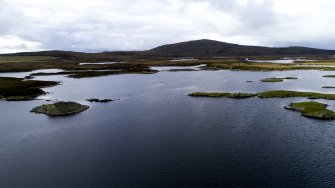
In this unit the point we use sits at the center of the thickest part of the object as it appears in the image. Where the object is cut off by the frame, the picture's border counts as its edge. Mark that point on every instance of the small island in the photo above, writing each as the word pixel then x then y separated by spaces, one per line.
pixel 328 87
pixel 60 109
pixel 277 79
pixel 267 94
pixel 328 76
pixel 227 95
pixel 288 94
pixel 100 100
pixel 312 109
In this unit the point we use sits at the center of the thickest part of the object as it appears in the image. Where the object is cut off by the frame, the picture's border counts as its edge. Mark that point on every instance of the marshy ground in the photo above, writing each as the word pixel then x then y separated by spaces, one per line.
pixel 82 65
pixel 73 62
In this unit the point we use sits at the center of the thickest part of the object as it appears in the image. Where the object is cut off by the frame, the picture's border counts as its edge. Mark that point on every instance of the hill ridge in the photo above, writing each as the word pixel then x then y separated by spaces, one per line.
pixel 203 48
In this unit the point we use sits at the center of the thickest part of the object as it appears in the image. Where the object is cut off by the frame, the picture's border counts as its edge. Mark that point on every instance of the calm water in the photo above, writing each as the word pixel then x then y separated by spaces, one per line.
pixel 155 136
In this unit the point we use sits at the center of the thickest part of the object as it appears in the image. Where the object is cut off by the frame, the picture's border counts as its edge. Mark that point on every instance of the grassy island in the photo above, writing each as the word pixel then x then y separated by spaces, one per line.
pixel 227 95
pixel 328 87
pixel 267 94
pixel 277 79
pixel 60 109
pixel 287 94
pixel 309 109
pixel 20 89
pixel 312 109
pixel 329 76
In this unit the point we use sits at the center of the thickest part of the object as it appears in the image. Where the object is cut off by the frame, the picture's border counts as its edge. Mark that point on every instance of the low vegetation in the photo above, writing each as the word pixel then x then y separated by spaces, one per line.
pixel 60 108
pixel 70 61
pixel 328 87
pixel 312 109
pixel 20 89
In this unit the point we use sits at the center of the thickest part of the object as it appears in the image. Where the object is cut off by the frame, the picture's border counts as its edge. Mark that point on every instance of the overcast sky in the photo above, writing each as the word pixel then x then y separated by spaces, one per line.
pixel 101 25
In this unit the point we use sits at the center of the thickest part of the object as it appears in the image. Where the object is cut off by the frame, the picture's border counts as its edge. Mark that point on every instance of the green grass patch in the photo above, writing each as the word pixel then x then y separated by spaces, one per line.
pixel 312 109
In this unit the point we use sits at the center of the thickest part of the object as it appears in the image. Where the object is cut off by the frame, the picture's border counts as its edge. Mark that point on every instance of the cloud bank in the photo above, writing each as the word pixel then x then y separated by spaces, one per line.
pixel 109 25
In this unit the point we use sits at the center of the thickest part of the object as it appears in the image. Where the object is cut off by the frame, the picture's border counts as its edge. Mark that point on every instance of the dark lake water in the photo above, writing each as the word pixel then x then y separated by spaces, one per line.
pixel 156 136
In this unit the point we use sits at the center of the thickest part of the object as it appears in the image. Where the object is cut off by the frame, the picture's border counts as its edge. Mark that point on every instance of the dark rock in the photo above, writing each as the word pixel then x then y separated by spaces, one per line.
pixel 100 100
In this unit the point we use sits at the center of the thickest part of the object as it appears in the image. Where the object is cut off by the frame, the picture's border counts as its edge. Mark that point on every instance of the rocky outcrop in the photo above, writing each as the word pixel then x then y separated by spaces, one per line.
pixel 60 108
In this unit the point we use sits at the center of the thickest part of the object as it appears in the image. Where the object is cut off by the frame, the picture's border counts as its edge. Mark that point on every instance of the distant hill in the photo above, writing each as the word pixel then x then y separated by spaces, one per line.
pixel 198 49
pixel 211 48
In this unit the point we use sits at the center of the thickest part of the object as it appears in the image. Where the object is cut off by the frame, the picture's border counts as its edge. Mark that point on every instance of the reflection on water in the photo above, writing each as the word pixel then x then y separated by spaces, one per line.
pixel 155 136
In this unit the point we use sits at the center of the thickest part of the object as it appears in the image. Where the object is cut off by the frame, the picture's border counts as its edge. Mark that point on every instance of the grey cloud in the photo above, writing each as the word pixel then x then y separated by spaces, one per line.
pixel 20 46
pixel 99 25
pixel 9 18
pixel 253 14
